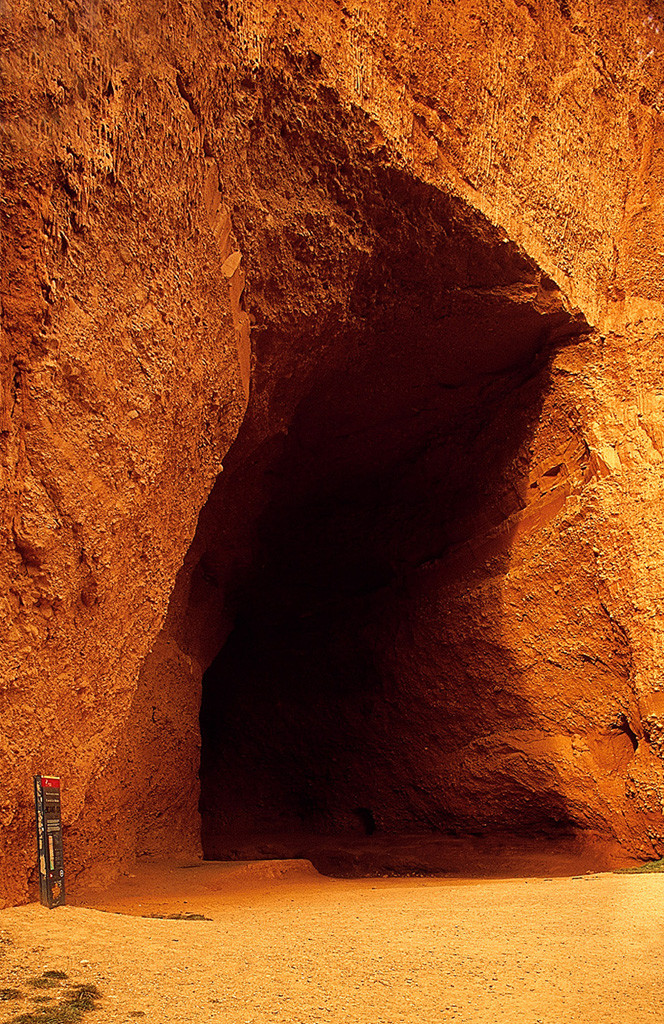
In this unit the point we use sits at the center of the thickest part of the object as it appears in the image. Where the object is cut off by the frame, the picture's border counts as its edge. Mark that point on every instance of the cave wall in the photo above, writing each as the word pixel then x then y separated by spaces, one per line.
pixel 121 389
pixel 135 140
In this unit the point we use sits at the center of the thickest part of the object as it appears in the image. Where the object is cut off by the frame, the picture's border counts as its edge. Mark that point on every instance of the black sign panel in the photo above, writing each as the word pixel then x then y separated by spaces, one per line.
pixel 49 841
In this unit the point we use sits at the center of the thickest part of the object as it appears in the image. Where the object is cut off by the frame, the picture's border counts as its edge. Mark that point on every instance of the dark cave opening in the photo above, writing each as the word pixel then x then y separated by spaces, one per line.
pixel 347 597
pixel 364 651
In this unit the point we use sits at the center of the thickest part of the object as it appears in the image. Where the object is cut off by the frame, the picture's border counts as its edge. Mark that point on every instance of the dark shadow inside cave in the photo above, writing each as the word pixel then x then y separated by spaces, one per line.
pixel 347 596
pixel 307 712
pixel 358 554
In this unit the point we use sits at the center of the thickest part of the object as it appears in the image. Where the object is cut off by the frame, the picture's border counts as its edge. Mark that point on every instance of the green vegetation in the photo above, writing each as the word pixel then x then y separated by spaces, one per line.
pixel 650 867
pixel 74 1002
pixel 186 916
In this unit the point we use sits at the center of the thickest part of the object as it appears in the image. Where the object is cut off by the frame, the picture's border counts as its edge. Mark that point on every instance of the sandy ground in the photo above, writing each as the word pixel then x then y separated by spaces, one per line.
pixel 285 944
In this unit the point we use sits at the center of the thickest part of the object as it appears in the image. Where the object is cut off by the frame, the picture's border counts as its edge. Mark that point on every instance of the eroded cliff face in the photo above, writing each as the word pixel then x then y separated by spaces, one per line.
pixel 427 583
pixel 121 388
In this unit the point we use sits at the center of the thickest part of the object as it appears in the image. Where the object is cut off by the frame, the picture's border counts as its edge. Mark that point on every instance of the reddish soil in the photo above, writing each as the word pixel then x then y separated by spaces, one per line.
pixel 307 950
pixel 463 856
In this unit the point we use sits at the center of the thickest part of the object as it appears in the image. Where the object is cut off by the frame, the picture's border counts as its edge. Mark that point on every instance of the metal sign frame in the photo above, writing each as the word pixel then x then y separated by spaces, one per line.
pixel 50 852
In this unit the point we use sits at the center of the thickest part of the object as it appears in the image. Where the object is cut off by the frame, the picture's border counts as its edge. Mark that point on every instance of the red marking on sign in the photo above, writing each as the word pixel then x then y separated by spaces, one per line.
pixel 50 783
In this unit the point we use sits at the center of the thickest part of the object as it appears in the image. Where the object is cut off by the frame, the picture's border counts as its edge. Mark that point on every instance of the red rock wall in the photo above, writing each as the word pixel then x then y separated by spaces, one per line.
pixel 121 390
pixel 127 135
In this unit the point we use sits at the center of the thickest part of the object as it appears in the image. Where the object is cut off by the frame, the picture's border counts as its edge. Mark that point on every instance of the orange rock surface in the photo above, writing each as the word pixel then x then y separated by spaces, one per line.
pixel 424 595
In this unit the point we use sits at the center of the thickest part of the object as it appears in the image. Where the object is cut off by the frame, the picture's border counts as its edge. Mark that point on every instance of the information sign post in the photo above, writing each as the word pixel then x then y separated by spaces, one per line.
pixel 49 841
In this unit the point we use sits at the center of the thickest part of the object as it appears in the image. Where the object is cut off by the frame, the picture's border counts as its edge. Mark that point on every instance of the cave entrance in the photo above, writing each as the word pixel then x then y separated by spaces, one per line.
pixel 353 549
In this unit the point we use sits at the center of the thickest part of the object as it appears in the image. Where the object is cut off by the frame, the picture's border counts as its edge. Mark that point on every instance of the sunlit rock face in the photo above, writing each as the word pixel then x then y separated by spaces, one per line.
pixel 399 271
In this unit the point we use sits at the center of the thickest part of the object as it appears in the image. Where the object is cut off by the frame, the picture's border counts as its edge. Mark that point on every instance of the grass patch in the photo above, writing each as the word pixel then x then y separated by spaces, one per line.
pixel 84 996
pixel 649 868
pixel 9 993
pixel 76 1001
pixel 186 916
pixel 48 979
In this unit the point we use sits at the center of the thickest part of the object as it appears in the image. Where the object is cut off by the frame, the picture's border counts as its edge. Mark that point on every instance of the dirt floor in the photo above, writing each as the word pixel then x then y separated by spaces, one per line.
pixel 281 943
